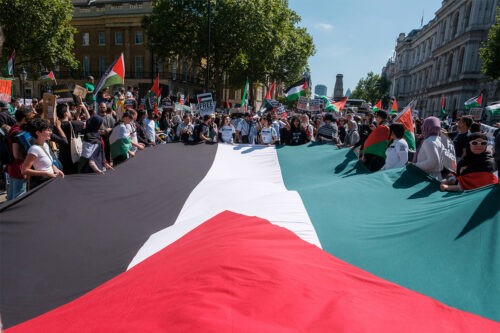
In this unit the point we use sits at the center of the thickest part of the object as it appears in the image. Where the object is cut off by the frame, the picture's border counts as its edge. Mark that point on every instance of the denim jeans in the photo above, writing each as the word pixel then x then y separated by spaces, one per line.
pixel 15 187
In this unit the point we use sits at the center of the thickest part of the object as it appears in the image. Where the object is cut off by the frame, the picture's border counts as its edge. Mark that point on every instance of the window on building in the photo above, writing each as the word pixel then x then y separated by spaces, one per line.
pixel 460 62
pixel 139 67
pixel 449 66
pixel 102 65
pixel 139 38
pixel 468 9
pixel 174 69
pixel 185 70
pixel 86 65
pixel 118 38
pixel 454 27
pixel 85 39
pixel 443 32
pixel 102 38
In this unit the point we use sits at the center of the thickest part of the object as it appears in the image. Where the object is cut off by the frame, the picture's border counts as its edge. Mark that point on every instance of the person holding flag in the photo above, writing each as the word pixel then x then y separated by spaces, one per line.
pixel 373 153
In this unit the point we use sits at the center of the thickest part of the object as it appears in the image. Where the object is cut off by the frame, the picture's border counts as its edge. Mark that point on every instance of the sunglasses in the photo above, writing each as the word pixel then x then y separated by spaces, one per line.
pixel 475 143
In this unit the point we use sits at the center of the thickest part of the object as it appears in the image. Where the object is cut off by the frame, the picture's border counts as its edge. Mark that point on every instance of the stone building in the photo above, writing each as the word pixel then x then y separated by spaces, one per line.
pixel 442 58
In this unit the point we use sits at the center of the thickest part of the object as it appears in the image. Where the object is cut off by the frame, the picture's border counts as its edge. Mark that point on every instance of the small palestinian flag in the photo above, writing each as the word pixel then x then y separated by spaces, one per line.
pixel 394 107
pixel 49 77
pixel 474 102
pixel 443 111
pixel 405 117
pixel 377 106
pixel 114 75
pixel 156 86
pixel 296 90
pixel 10 64
pixel 340 104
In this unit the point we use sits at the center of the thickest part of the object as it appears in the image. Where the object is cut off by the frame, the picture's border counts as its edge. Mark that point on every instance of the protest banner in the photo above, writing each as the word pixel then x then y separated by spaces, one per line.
pixel 205 108
pixel 5 90
pixel 476 113
pixel 302 104
pixel 64 93
pixel 315 105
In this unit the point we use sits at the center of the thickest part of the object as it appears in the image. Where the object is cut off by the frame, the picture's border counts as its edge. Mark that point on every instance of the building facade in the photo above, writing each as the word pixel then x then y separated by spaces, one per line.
pixel 106 28
pixel 442 59
pixel 321 89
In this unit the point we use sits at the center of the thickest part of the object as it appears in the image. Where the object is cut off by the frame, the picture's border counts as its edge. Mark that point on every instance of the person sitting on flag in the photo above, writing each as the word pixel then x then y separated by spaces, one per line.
pixel 205 132
pixel 93 157
pixel 307 128
pixel 428 155
pixel 120 140
pixel 461 137
pixel 352 135
pixel 268 134
pixel 373 153
pixel 296 136
pixel 397 151
pixel 243 129
pixel 328 132
pixel 476 169
pixel 185 130
pixel 227 131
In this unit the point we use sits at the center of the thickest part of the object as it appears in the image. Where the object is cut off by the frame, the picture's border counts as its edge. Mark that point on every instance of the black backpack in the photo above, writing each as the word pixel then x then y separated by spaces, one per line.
pixel 5 156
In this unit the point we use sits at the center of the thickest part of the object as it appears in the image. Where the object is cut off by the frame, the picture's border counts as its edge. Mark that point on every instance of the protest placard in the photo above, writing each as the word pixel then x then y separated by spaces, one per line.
pixel 80 91
pixel 302 104
pixel 48 106
pixel 64 93
pixel 5 90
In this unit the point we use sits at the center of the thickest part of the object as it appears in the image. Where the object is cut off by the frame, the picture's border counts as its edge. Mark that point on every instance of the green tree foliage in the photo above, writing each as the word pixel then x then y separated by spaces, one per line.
pixel 490 51
pixel 39 31
pixel 254 39
pixel 372 88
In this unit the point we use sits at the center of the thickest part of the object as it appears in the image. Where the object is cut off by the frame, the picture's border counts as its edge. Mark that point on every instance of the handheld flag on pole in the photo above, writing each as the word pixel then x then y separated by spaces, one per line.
pixel 245 92
pixel 443 111
pixel 49 77
pixel 270 91
pixel 10 64
pixel 377 106
pixel 296 90
pixel 405 117
pixel 340 104
pixel 474 102
pixel 394 107
pixel 114 75
pixel 156 86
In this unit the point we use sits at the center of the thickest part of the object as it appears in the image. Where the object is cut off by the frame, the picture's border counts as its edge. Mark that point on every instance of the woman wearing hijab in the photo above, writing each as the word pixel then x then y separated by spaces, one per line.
pixel 428 156
pixel 352 135
pixel 476 169
pixel 93 158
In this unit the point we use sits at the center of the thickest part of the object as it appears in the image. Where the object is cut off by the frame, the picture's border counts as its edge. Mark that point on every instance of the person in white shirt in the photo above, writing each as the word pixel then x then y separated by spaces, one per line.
pixel 38 165
pixel 397 151
pixel 227 130
pixel 428 157
pixel 267 133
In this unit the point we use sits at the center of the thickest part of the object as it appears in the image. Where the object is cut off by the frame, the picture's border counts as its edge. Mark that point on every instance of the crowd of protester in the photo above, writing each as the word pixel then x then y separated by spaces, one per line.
pixel 112 129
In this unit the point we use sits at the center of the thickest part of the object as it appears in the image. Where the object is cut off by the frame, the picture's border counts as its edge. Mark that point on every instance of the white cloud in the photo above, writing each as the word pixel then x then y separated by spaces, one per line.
pixel 323 26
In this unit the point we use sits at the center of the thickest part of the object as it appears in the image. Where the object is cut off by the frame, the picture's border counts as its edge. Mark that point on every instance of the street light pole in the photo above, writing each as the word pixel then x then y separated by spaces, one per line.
pixel 22 77
pixel 209 7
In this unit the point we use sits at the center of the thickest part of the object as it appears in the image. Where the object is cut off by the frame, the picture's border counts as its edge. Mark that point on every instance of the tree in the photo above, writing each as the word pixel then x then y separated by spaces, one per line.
pixel 254 39
pixel 372 88
pixel 490 50
pixel 39 31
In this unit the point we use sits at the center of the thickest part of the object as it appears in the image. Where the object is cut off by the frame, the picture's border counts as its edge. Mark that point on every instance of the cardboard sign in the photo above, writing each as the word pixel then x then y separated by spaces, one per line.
pixel 48 106
pixel 64 93
pixel 476 113
pixel 302 103
pixel 206 108
pixel 5 90
pixel 80 91
pixel 314 105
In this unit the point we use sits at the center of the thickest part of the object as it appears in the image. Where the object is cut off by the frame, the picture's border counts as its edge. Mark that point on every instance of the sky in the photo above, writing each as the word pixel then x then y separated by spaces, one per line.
pixel 354 37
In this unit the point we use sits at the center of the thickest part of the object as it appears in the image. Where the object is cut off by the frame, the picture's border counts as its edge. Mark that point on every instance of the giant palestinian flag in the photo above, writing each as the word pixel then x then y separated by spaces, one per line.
pixel 234 238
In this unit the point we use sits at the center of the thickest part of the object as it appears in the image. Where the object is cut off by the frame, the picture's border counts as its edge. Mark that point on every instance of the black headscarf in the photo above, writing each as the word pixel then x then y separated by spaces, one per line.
pixel 92 129
pixel 483 162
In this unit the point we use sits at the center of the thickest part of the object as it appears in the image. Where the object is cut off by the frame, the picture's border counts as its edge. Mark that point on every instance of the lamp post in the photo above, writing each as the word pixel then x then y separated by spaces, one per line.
pixel 22 77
